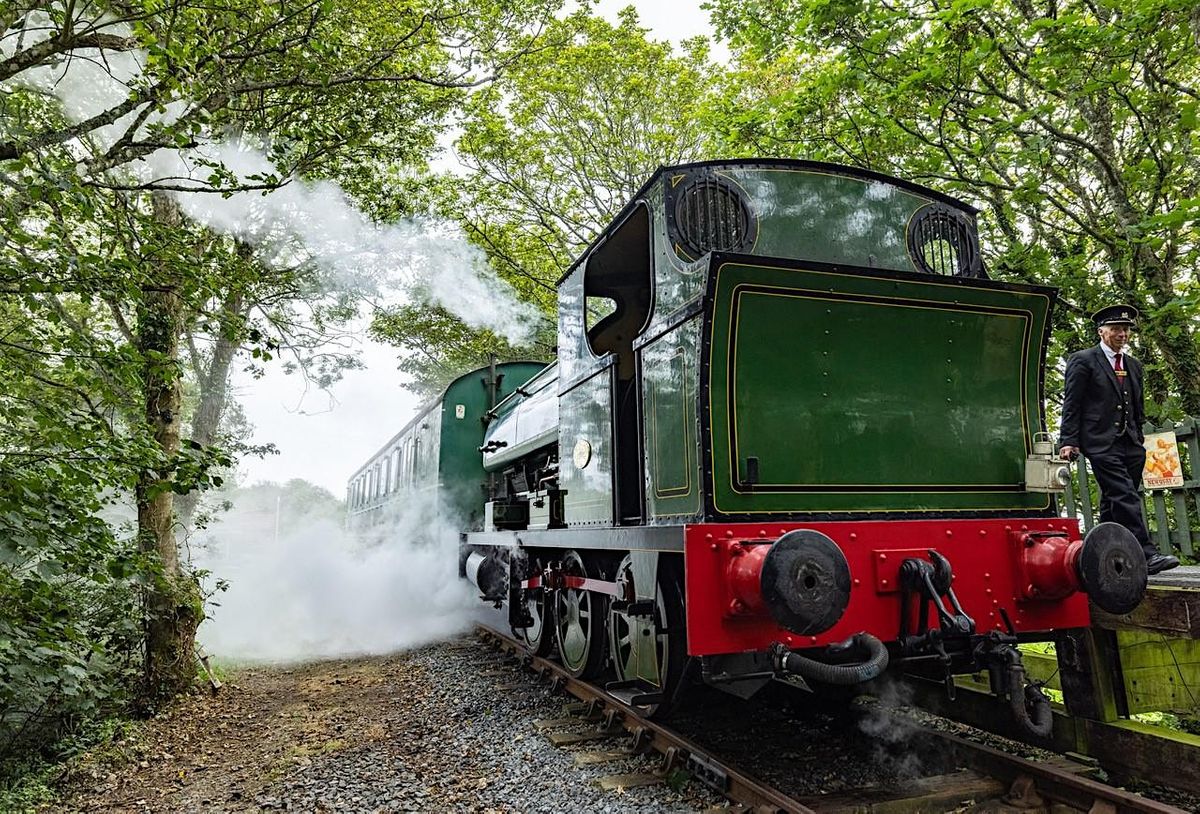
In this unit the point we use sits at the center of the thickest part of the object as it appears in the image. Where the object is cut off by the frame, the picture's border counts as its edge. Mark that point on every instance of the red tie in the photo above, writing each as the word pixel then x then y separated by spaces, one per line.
pixel 1120 371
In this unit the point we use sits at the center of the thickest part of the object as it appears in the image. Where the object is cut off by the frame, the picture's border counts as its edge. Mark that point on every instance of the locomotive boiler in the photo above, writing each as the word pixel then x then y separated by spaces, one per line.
pixel 793 429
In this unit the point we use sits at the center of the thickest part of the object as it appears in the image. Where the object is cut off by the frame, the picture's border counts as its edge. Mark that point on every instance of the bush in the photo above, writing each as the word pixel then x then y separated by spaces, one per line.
pixel 70 610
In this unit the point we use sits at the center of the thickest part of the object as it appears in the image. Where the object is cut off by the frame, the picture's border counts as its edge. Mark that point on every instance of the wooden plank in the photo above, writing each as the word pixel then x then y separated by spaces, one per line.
pixel 1182 531
pixel 557 723
pixel 1125 749
pixel 568 738
pixel 1069 497
pixel 1161 532
pixel 1085 494
pixel 606 756
pixel 620 782
pixel 1129 749
pixel 1160 673
pixel 1142 649
pixel 1185 576
pixel 947 792
pixel 1196 494
pixel 1174 611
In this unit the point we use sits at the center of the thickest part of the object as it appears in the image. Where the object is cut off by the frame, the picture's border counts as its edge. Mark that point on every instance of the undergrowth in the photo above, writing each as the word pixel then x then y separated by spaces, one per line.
pixel 29 784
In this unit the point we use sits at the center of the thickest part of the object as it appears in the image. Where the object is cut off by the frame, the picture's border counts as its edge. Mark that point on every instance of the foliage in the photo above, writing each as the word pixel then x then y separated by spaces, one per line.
pixel 552 150
pixel 1072 124
pixel 110 304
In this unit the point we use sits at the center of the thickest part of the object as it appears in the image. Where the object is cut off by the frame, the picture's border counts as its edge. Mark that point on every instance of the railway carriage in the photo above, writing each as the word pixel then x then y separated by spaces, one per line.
pixel 431 467
pixel 792 429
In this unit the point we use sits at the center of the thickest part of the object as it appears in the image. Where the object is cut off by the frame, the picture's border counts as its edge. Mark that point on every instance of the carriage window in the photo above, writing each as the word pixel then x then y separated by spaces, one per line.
pixel 618 286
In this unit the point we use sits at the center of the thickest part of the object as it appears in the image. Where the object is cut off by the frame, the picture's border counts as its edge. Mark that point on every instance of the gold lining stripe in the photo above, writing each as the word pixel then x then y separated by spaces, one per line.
pixel 1024 410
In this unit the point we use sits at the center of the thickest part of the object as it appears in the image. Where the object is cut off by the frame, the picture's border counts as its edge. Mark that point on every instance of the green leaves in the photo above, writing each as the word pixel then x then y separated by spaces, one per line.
pixel 1071 126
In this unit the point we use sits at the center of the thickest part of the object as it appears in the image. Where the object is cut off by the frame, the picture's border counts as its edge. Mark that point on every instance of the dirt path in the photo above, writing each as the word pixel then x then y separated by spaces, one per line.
pixel 448 728
pixel 265 726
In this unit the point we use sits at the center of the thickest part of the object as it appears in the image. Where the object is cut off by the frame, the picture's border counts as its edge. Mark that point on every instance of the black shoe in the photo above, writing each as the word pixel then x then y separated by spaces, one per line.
pixel 1156 563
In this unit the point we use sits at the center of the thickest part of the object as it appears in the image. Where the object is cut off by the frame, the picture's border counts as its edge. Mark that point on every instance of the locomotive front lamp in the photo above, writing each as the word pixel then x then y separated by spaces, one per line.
pixel 1043 472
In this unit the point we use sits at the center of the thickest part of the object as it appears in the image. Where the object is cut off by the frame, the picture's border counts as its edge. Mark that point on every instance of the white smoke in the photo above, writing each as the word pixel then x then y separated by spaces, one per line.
pixel 890 733
pixel 301 587
pixel 416 258
pixel 423 260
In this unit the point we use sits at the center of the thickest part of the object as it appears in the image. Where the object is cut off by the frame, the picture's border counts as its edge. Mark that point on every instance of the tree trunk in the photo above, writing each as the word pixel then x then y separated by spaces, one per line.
pixel 174 607
pixel 214 392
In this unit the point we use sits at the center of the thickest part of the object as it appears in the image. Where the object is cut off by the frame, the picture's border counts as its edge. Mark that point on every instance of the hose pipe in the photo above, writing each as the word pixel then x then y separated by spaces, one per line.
pixel 1030 706
pixel 873 661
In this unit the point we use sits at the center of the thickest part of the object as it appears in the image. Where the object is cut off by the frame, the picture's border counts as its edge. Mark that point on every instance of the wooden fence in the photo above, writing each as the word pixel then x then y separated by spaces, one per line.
pixel 1173 515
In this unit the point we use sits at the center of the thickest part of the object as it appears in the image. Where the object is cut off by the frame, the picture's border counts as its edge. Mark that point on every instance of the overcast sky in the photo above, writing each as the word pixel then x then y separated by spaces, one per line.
pixel 324 437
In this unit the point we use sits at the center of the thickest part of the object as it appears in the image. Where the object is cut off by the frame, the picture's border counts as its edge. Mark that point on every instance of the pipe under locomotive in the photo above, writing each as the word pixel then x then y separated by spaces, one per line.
pixel 793 429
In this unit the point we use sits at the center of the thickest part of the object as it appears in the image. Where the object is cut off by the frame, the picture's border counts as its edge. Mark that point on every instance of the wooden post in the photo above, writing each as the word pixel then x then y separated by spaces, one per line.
pixel 1089 669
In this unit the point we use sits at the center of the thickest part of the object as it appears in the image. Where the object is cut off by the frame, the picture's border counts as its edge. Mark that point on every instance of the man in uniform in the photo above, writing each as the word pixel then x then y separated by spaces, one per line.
pixel 1102 418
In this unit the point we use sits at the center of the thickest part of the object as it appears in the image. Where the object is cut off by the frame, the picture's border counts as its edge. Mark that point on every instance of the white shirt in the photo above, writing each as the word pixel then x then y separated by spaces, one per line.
pixel 1111 355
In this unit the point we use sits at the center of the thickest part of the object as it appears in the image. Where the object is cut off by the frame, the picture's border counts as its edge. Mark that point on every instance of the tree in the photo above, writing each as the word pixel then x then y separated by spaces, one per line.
pixel 553 149
pixel 109 109
pixel 1072 124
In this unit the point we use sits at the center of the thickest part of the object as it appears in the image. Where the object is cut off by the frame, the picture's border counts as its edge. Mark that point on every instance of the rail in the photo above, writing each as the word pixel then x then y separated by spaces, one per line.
pixel 1025 780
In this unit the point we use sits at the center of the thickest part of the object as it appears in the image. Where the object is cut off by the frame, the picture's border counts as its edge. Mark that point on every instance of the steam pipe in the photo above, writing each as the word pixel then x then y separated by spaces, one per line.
pixel 872 665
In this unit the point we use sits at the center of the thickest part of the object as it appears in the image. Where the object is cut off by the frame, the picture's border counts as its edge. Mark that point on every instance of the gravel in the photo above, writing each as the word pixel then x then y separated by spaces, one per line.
pixel 465 740
pixel 451 727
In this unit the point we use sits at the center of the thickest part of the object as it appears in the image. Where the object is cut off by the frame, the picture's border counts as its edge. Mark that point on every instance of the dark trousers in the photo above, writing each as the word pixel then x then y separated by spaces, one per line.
pixel 1118 472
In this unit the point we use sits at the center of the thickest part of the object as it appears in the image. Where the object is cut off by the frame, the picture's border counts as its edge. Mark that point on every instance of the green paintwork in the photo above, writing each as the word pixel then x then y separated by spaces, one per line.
pixel 800 214
pixel 585 417
pixel 838 394
pixel 460 465
pixel 440 467
pixel 670 371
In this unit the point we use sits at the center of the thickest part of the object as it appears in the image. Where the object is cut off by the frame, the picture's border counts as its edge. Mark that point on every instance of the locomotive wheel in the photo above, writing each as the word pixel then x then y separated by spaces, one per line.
pixel 539 636
pixel 579 622
pixel 667 629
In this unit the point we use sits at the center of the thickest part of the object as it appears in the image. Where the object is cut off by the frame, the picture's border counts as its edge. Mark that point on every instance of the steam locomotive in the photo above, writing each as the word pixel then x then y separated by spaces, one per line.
pixel 793 429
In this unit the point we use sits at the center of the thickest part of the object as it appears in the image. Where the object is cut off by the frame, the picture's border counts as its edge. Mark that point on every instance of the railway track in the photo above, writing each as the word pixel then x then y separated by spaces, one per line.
pixel 980 772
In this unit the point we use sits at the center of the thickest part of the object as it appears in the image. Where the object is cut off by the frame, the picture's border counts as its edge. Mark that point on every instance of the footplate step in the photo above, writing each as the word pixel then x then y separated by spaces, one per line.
pixel 635 692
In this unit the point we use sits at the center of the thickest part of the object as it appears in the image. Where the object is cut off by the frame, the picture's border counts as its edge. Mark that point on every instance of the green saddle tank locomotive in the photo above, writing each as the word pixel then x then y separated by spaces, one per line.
pixel 793 428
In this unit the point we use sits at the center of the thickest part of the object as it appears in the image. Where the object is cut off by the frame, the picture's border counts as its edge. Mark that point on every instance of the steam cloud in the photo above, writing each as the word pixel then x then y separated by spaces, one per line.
pixel 415 260
pixel 312 590
pixel 889 733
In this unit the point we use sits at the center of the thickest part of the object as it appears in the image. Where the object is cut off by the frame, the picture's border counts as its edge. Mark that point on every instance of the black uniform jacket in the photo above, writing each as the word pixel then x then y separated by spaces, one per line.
pixel 1093 412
